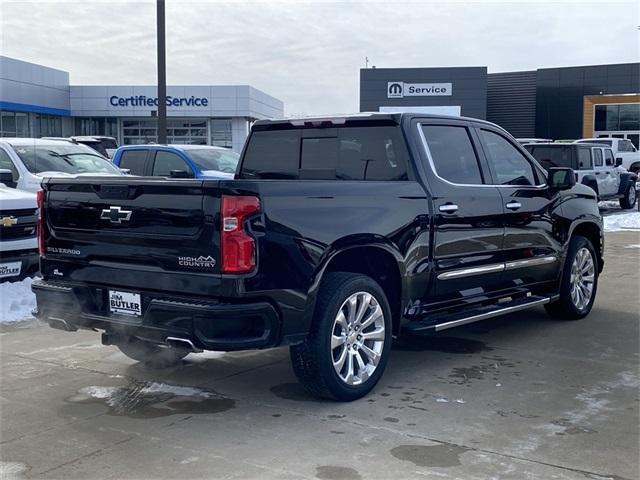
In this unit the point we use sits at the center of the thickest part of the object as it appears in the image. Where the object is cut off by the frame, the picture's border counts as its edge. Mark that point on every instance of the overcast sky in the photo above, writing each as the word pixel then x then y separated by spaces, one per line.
pixel 309 53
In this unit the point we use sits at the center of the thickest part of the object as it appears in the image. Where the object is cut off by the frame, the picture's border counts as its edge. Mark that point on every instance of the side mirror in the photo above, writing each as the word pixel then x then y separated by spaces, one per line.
pixel 179 174
pixel 618 162
pixel 126 171
pixel 560 178
pixel 6 177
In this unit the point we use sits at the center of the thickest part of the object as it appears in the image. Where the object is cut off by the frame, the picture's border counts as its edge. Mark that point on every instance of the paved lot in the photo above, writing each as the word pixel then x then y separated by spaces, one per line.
pixel 517 397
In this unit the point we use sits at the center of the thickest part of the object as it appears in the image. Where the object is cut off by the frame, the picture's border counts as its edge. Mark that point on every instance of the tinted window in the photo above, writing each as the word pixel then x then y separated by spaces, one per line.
pixel 452 153
pixel 272 154
pixel 167 161
pixel 608 157
pixel 584 158
pixel 355 153
pixel 549 156
pixel 510 166
pixel 133 160
pixel 7 164
pixel 597 157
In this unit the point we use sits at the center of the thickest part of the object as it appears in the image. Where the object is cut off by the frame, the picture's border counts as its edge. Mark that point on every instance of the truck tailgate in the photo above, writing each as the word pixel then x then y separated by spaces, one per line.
pixel 134 223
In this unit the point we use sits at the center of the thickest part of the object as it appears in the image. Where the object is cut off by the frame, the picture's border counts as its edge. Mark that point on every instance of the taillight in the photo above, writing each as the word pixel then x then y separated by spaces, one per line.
pixel 41 223
pixel 238 248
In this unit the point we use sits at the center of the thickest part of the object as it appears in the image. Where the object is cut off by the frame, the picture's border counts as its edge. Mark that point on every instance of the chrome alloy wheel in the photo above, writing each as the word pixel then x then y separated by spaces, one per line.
pixel 357 338
pixel 582 278
pixel 632 195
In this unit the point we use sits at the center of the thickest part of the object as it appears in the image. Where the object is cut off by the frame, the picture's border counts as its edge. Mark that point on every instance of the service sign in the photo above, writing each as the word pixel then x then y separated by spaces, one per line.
pixel 402 89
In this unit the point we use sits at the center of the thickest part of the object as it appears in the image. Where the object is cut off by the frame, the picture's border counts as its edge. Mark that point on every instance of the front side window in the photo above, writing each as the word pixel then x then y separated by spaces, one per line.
pixel 597 157
pixel 452 153
pixel 166 162
pixel 64 157
pixel 608 158
pixel 626 146
pixel 509 165
pixel 584 158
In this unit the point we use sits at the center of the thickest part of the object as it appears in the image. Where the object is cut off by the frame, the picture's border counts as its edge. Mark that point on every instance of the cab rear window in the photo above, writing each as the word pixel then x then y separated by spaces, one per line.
pixel 345 153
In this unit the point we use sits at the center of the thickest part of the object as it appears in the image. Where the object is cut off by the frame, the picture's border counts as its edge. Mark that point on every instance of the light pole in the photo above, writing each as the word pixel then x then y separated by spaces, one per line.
pixel 162 73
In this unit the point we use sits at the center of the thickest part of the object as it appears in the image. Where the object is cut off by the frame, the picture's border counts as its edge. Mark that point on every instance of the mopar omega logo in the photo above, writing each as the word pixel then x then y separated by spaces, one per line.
pixel 395 90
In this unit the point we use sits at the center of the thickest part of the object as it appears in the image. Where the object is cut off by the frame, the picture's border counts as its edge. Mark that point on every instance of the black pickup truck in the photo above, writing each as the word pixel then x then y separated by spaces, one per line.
pixel 336 235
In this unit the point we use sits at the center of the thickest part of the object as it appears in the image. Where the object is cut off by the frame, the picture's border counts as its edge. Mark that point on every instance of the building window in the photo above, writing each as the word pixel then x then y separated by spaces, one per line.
pixel 14 124
pixel 47 125
pixel 221 132
pixel 191 132
pixel 617 118
pixel 96 126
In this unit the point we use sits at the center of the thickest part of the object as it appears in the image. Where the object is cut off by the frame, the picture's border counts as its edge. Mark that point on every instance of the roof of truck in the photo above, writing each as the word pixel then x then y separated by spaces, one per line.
pixel 341 118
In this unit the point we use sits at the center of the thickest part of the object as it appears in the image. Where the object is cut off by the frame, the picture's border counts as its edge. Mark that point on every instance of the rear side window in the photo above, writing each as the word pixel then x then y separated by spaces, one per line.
pixel 597 157
pixel 355 153
pixel 453 155
pixel 167 161
pixel 272 154
pixel 551 156
pixel 345 153
pixel 584 158
pixel 134 160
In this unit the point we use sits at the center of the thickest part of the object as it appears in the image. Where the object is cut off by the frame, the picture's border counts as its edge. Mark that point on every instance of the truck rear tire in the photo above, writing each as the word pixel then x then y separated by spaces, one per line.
pixel 348 345
pixel 629 199
pixel 579 282
pixel 150 354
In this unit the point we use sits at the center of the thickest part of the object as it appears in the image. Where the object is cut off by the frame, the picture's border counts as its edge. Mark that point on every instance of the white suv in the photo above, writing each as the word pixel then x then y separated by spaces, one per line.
pixel 32 159
pixel 622 148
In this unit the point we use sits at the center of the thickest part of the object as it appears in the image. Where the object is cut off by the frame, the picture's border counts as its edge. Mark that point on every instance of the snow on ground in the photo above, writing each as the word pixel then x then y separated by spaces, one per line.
pixel 16 301
pixel 629 220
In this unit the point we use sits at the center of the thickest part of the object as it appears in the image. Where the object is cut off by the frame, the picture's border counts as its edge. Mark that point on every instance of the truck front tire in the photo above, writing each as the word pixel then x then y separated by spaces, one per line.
pixel 150 354
pixel 579 282
pixel 629 198
pixel 348 345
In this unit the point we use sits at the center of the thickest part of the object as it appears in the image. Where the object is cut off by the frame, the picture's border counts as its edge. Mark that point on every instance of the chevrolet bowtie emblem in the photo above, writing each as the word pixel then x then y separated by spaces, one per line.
pixel 8 221
pixel 116 214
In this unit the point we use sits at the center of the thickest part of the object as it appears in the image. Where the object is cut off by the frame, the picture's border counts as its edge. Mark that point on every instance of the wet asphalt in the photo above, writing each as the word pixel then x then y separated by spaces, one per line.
pixel 517 397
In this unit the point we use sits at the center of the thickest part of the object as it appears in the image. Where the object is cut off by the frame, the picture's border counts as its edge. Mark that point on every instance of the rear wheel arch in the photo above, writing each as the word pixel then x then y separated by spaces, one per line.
pixel 378 262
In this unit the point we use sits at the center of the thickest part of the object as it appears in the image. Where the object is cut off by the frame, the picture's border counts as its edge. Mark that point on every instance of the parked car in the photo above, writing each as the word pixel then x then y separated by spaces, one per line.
pixel 32 159
pixel 18 223
pixel 336 235
pixel 622 148
pixel 177 161
pixel 595 166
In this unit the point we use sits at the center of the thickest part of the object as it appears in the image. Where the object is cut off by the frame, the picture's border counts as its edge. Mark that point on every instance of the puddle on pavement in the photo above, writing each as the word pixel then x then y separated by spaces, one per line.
pixel 442 344
pixel 141 399
pixel 439 456
pixel 330 472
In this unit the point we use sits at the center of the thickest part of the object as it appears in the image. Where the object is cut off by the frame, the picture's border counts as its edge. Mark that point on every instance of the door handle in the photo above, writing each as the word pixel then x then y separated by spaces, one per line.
pixel 448 208
pixel 513 205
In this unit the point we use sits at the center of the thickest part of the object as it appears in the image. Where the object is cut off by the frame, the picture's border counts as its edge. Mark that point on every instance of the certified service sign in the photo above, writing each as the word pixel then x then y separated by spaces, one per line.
pixel 401 89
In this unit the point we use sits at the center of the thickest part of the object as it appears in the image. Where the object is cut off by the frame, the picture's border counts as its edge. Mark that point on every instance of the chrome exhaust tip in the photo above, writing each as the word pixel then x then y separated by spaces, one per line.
pixel 182 343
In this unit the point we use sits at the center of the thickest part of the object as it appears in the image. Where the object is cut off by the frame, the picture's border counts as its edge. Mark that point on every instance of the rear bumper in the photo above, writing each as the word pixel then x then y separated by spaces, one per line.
pixel 208 325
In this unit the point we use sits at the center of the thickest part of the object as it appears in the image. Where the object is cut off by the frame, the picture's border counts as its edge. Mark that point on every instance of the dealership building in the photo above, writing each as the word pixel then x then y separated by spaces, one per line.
pixel 555 103
pixel 38 101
